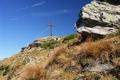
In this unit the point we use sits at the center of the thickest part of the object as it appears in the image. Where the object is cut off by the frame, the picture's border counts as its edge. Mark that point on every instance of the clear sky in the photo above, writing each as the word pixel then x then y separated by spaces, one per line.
pixel 22 21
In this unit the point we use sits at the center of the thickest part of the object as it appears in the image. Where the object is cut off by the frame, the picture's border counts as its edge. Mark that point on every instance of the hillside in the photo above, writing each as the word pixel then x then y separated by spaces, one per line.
pixel 91 54
pixel 65 58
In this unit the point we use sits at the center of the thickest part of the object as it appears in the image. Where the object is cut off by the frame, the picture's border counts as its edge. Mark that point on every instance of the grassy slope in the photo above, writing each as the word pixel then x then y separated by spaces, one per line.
pixel 63 62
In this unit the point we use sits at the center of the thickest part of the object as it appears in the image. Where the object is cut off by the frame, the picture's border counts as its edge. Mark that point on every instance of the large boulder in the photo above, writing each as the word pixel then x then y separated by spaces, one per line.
pixel 100 17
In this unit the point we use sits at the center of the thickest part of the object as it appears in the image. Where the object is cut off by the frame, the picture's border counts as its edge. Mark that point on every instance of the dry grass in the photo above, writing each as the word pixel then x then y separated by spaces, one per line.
pixel 108 77
pixel 69 76
pixel 16 65
pixel 33 72
pixel 94 48
pixel 63 62
pixel 55 54
pixel 116 61
pixel 2 78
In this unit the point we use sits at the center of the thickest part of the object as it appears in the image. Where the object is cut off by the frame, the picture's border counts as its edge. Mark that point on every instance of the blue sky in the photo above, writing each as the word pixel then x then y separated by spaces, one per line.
pixel 22 21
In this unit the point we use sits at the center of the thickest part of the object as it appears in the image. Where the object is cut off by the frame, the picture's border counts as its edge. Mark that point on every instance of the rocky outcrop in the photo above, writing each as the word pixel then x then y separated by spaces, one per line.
pixel 100 17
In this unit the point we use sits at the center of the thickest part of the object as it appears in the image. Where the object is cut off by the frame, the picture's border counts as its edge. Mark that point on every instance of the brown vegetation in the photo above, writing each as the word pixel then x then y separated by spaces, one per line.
pixel 65 62
pixel 33 72
pixel 94 49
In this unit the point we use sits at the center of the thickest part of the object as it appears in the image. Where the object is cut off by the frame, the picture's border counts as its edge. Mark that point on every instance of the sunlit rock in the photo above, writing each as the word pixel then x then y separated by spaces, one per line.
pixel 99 17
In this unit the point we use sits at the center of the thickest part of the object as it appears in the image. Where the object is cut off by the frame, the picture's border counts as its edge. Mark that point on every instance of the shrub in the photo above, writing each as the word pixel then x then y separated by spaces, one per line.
pixel 69 37
pixel 25 61
pixel 4 69
pixel 22 49
pixel 49 44
pixel 73 42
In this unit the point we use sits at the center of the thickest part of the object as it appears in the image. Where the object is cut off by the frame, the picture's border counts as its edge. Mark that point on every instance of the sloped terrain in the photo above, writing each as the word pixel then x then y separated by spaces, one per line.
pixel 94 54
pixel 67 59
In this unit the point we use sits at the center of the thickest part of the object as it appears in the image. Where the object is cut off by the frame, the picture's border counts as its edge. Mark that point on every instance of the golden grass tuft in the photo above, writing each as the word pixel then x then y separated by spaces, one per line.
pixel 94 48
pixel 33 72
pixel 56 52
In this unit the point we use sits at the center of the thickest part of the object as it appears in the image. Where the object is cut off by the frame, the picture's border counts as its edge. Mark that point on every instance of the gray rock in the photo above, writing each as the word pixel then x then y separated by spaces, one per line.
pixel 99 17
pixel 100 68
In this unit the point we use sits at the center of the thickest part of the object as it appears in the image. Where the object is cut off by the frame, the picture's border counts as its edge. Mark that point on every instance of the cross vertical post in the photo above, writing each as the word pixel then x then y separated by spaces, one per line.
pixel 50 26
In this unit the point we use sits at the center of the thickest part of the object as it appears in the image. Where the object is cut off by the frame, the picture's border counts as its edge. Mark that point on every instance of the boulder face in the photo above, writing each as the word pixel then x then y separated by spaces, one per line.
pixel 100 17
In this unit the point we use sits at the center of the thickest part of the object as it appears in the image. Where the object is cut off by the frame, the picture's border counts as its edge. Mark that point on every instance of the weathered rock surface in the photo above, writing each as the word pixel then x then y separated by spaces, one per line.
pixel 100 17
pixel 101 68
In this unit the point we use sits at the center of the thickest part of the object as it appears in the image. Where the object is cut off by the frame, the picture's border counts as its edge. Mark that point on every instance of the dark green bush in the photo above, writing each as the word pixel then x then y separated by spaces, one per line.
pixel 25 61
pixel 49 44
pixel 4 69
pixel 23 48
pixel 72 42
pixel 69 37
